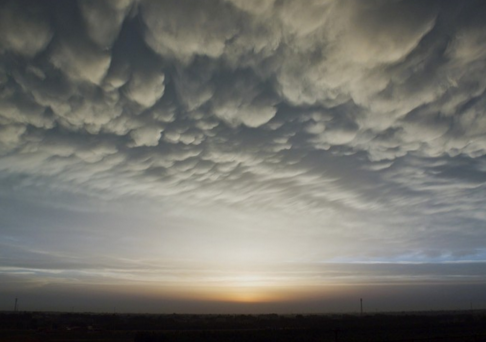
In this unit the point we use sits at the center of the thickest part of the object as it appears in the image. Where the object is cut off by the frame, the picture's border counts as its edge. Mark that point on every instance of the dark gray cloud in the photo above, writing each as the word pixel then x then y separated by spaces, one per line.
pixel 364 120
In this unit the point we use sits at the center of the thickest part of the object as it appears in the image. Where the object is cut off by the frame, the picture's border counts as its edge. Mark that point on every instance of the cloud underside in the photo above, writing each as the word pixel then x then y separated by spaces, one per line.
pixel 341 109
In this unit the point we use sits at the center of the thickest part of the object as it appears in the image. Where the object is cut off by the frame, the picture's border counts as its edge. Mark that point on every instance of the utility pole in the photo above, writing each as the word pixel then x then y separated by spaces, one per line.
pixel 361 306
pixel 15 306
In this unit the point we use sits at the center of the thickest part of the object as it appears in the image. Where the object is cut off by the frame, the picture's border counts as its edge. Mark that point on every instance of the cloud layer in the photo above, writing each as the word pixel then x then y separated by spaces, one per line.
pixel 366 118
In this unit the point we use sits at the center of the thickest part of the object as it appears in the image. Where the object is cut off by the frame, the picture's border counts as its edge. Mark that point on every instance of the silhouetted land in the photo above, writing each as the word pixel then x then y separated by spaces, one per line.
pixel 424 326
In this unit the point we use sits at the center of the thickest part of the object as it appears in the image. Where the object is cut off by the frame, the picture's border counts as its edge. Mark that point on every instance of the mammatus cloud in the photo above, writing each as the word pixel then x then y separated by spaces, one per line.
pixel 146 136
pixel 103 19
pixel 366 118
pixel 25 31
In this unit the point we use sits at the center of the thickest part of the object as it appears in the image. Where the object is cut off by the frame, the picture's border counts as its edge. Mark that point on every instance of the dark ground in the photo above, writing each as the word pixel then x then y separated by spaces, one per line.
pixel 425 326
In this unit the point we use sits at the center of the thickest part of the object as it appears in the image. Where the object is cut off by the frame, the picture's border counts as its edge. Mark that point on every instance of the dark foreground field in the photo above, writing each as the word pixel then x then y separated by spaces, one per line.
pixel 434 326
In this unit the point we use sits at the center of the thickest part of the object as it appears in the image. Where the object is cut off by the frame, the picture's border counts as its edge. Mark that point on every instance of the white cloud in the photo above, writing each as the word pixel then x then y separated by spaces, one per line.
pixel 244 102
pixel 171 22
pixel 146 136
pixel 251 116
pixel 145 87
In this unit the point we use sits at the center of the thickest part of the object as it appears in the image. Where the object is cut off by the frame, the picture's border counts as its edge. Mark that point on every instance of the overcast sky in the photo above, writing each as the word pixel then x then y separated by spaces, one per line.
pixel 242 155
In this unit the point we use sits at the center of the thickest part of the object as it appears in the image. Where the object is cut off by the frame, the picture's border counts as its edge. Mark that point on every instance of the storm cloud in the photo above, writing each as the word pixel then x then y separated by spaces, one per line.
pixel 366 119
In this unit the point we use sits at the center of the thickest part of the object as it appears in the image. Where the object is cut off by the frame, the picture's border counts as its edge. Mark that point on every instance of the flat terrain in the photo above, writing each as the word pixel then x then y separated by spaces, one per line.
pixel 425 326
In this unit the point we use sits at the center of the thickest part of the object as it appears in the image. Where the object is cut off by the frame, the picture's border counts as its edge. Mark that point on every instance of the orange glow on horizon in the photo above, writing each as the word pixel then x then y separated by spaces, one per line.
pixel 247 288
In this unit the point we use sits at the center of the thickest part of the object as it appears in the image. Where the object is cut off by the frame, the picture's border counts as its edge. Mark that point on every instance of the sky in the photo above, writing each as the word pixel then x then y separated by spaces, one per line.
pixel 218 156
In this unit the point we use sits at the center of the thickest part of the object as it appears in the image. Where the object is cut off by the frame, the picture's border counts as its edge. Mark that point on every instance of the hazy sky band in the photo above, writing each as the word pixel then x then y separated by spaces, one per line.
pixel 273 143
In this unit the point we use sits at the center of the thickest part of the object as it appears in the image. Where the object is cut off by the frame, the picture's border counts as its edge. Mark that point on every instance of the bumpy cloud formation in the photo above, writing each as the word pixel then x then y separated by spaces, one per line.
pixel 365 108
